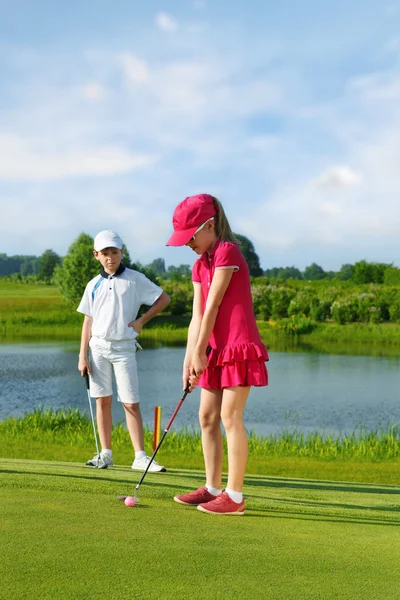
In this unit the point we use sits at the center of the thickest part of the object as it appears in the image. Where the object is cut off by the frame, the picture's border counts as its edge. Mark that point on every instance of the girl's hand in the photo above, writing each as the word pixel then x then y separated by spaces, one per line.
pixel 198 366
pixel 83 365
pixel 136 325
pixel 185 377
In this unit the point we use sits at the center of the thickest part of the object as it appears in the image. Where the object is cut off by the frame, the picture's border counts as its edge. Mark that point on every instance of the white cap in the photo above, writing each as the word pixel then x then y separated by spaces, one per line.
pixel 107 239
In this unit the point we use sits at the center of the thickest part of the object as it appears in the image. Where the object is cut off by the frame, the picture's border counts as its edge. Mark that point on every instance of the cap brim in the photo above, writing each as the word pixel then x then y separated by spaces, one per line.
pixel 180 238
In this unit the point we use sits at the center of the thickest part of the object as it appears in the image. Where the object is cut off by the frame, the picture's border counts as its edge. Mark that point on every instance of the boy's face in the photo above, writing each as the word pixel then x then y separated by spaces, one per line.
pixel 110 258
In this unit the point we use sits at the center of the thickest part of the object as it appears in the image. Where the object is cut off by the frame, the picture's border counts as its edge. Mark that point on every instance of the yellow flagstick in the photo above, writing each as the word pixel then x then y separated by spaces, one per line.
pixel 157 426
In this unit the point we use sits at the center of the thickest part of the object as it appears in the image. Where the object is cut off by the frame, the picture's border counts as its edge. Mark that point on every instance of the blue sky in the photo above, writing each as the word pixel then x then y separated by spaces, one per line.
pixel 113 112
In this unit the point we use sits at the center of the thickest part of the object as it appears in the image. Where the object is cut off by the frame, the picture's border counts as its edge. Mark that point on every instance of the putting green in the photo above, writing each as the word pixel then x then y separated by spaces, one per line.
pixel 64 535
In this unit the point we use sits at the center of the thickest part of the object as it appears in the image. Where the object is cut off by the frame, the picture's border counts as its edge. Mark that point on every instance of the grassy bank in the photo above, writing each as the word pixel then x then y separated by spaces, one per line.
pixel 355 339
pixel 31 312
pixel 372 457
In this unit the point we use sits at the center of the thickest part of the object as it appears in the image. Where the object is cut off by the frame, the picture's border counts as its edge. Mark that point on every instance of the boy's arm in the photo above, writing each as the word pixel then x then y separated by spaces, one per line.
pixel 157 307
pixel 83 364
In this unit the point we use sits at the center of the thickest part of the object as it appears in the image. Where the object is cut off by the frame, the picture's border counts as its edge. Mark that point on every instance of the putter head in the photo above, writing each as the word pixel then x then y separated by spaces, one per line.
pixel 102 465
pixel 123 498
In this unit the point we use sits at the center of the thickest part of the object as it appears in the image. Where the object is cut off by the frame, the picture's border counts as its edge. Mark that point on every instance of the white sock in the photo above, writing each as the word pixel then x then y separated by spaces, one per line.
pixel 235 496
pixel 214 491
pixel 107 451
pixel 139 455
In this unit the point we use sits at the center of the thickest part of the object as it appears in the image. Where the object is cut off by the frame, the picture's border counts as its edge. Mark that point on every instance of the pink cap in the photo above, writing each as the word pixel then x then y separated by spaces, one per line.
pixel 188 216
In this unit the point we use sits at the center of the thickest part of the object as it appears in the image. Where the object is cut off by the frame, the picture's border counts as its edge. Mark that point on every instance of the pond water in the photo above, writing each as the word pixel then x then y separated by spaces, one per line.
pixel 309 391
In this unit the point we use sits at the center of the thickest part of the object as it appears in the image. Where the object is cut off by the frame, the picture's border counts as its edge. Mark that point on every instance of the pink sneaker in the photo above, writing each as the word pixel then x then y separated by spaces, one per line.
pixel 222 505
pixel 196 497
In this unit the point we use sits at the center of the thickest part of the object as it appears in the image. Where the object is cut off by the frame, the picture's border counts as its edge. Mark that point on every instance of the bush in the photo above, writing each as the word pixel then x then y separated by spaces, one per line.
pixel 261 301
pixel 300 304
pixel 280 300
pixel 345 310
pixel 394 307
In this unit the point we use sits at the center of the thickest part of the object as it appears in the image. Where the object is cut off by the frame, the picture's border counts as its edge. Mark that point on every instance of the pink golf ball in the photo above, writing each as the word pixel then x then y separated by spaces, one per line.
pixel 130 501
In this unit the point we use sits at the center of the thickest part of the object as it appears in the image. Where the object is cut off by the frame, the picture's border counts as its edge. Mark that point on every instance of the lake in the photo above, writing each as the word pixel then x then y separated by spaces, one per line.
pixel 310 391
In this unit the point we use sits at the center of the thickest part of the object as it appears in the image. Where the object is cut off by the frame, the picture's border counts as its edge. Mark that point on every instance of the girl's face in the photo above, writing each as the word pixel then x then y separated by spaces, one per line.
pixel 205 238
pixel 110 258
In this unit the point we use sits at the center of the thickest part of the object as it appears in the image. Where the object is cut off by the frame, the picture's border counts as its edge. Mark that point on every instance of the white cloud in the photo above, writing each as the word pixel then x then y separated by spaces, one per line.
pixel 338 177
pixel 94 91
pixel 166 23
pixel 22 160
pixel 136 70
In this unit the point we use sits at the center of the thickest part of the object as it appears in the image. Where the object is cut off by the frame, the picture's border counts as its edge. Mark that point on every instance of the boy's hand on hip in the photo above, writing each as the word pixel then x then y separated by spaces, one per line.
pixel 136 325
pixel 83 366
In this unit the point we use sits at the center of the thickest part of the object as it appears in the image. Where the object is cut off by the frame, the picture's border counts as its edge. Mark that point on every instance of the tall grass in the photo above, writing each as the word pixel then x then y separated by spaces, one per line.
pixel 73 427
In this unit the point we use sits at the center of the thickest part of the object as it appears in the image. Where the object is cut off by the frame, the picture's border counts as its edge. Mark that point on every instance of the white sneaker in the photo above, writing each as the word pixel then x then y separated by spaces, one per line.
pixel 141 465
pixel 101 462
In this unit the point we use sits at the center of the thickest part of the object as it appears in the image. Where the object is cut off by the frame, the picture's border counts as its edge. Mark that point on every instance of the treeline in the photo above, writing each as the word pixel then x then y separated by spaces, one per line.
pixel 361 272
pixel 44 268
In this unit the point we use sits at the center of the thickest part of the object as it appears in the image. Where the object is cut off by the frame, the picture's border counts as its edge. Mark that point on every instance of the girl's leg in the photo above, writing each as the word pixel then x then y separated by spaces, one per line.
pixel 104 420
pixel 211 436
pixel 135 425
pixel 233 403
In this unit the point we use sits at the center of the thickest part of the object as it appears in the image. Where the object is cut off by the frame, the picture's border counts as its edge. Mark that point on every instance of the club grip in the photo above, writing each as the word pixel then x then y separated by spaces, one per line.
pixel 86 376
pixel 208 350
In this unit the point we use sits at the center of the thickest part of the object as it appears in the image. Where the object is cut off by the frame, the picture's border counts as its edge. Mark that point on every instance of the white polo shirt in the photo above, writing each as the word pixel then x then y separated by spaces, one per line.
pixel 113 301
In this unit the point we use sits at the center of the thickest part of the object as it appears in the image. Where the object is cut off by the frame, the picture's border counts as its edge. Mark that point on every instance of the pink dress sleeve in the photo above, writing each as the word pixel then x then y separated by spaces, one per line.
pixel 196 272
pixel 228 256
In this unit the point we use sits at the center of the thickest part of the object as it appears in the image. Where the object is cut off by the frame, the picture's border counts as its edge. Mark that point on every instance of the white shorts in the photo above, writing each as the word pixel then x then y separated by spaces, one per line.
pixel 120 357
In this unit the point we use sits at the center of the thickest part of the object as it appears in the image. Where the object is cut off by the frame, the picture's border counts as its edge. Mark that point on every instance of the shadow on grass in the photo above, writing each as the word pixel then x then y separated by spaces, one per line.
pixel 286 512
pixel 313 484
pixel 327 518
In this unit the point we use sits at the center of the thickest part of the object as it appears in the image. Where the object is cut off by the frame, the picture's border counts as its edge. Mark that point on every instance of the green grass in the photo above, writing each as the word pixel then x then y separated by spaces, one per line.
pixel 65 535
pixel 372 457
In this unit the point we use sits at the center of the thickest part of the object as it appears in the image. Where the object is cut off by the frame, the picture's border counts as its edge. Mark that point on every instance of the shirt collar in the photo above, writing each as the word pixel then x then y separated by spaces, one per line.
pixel 208 255
pixel 120 270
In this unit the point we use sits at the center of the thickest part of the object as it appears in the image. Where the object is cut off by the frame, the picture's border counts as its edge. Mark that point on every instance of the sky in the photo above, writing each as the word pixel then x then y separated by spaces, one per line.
pixel 111 113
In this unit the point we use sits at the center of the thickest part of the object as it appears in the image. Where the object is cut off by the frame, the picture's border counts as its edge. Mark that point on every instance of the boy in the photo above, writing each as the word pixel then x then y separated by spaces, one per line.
pixel 110 304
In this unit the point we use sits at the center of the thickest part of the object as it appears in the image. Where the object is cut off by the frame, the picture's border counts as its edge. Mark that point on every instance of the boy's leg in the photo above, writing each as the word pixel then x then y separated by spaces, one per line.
pixel 211 436
pixel 233 403
pixel 134 424
pixel 125 370
pixel 101 389
pixel 104 421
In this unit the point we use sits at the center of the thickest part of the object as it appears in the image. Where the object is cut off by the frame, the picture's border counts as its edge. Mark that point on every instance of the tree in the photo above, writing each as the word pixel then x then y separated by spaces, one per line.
pixel 250 255
pixel 126 259
pixel 290 273
pixel 48 262
pixel 346 272
pixel 78 268
pixel 158 266
pixel 314 272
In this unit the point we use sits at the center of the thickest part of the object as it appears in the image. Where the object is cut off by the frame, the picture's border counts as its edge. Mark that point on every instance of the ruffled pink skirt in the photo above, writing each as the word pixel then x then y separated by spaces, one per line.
pixel 241 364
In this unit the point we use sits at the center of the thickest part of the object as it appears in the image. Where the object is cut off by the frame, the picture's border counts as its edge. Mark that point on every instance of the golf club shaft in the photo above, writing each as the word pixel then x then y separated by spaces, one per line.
pixel 163 436
pixel 91 413
pixel 181 401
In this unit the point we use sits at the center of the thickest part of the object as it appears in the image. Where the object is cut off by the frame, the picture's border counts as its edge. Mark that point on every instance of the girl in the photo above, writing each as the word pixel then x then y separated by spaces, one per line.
pixel 223 318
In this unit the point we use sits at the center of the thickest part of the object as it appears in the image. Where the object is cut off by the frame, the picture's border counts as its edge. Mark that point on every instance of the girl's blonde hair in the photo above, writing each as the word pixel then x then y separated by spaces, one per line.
pixel 222 227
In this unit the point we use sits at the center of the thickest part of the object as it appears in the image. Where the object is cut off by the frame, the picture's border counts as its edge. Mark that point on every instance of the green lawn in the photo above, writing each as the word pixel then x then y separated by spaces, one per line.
pixel 65 535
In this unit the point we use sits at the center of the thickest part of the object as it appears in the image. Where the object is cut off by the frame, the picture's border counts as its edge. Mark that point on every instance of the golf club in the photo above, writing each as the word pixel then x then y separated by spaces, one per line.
pixel 100 463
pixel 178 406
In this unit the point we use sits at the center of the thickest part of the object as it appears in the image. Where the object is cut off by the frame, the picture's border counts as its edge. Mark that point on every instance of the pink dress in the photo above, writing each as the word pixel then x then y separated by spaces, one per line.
pixel 238 355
